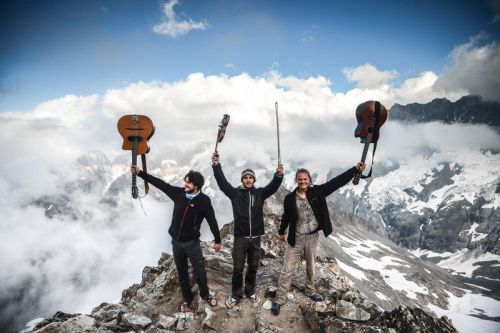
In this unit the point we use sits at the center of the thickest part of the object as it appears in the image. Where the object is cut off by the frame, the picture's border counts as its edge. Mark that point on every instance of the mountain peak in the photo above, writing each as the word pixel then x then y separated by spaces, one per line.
pixel 468 110
pixel 152 305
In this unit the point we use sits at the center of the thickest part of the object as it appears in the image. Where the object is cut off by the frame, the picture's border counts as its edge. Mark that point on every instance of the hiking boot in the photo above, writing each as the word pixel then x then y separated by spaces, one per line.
pixel 254 298
pixel 316 297
pixel 275 309
pixel 231 301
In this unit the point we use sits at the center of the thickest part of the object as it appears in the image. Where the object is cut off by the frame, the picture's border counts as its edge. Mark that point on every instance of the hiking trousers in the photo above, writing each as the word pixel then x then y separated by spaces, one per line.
pixel 245 249
pixel 303 243
pixel 182 252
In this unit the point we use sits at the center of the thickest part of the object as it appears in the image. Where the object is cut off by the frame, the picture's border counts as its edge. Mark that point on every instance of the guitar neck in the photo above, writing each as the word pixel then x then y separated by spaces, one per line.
pixel 368 139
pixel 134 159
pixel 365 148
pixel 134 163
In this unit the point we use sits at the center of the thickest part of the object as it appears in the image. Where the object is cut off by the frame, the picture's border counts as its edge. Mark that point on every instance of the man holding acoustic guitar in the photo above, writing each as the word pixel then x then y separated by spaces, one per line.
pixel 191 206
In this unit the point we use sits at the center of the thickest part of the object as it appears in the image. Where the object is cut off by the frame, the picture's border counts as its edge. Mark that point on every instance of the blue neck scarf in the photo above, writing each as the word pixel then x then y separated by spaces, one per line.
pixel 192 196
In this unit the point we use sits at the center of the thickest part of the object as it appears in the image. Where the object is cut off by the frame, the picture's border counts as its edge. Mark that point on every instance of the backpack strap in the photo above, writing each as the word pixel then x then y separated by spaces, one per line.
pixel 144 168
pixel 375 135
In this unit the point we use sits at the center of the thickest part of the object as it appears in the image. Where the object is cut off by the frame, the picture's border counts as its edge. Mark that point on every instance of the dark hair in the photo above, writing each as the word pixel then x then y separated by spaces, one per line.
pixel 302 170
pixel 196 178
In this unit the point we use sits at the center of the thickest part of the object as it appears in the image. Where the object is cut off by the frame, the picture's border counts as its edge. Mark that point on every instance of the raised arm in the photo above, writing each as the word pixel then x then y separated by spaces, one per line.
pixel 275 183
pixel 221 180
pixel 335 183
pixel 169 190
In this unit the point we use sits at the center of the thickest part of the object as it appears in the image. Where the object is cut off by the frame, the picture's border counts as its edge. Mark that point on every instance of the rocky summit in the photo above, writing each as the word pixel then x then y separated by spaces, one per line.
pixel 152 306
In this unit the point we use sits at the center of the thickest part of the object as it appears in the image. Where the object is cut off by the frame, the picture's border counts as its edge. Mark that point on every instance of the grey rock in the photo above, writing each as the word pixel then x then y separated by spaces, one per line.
pixel 50 328
pixel 347 310
pixel 108 312
pixel 320 307
pixel 81 323
pixel 154 329
pixel 166 322
pixel 136 321
pixel 209 320
pixel 184 320
pixel 267 304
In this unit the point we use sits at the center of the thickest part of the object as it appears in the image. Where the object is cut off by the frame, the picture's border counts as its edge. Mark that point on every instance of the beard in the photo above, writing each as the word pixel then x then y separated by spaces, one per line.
pixel 190 190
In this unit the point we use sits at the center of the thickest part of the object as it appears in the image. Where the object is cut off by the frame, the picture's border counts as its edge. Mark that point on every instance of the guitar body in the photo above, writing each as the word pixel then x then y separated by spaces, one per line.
pixel 136 130
pixel 371 115
pixel 136 127
pixel 222 129
pixel 365 115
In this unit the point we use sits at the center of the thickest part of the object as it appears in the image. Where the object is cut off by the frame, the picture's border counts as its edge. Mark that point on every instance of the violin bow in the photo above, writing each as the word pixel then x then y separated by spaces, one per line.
pixel 278 131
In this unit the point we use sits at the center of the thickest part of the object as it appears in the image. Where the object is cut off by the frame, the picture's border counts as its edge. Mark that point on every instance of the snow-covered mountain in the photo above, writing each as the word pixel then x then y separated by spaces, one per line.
pixel 442 204
pixel 381 270
pixel 466 110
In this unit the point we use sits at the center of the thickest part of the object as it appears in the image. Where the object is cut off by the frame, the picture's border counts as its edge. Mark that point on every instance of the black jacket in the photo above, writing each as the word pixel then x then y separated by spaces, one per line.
pixel 316 195
pixel 247 203
pixel 188 214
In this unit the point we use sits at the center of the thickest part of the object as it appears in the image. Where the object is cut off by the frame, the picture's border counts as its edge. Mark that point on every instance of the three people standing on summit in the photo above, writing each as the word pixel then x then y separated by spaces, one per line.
pixel 305 214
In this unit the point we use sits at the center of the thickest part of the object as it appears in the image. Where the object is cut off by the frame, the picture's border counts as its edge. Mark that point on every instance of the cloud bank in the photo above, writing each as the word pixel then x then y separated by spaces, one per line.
pixel 474 68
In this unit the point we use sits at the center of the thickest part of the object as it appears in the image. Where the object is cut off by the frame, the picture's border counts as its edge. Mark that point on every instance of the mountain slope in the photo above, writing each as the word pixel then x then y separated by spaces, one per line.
pixel 467 110
pixel 375 275
pixel 150 306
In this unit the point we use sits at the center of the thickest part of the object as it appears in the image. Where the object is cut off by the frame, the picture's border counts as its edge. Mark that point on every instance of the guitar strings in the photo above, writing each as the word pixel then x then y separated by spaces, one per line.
pixel 140 201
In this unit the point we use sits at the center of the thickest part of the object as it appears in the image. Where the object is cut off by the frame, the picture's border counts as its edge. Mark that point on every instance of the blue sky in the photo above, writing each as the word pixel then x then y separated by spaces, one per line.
pixel 50 49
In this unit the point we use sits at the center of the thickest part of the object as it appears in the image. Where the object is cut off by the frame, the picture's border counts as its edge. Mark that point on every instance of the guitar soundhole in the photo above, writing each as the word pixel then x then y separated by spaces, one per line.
pixel 137 138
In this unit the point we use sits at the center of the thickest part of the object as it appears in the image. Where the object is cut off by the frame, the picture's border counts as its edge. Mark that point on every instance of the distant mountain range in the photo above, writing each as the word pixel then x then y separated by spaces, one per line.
pixel 467 110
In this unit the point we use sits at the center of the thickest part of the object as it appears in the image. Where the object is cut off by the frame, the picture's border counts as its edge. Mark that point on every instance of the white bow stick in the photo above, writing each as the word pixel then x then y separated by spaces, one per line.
pixel 278 131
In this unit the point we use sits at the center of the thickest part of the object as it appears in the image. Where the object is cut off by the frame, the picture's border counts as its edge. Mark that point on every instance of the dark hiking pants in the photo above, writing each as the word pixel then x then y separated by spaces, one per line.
pixel 245 249
pixel 182 252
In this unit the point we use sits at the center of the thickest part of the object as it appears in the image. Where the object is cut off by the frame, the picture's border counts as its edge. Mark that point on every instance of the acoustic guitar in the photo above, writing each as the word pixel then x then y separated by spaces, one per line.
pixel 222 129
pixel 371 115
pixel 136 130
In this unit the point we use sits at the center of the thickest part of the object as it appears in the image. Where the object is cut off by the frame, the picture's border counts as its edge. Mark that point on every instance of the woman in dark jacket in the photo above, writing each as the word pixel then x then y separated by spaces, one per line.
pixel 305 213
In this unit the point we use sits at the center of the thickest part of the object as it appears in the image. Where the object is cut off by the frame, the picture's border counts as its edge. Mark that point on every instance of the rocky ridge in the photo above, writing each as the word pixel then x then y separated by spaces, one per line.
pixel 152 305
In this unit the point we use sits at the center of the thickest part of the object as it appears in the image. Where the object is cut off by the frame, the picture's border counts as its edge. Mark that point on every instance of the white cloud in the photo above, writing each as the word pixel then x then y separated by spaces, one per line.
pixel 474 68
pixel 368 76
pixel 173 26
